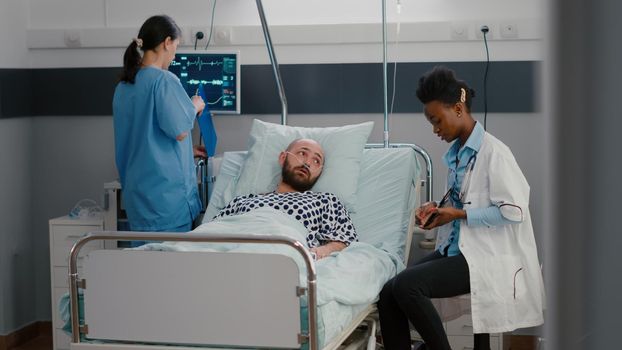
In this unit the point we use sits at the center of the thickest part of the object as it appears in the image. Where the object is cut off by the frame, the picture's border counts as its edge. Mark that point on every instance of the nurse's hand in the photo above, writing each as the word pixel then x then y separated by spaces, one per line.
pixel 423 212
pixel 199 151
pixel 198 103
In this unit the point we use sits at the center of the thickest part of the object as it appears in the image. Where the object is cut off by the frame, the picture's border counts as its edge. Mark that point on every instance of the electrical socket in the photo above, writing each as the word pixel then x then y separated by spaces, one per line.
pixel 222 36
pixel 480 35
pixel 72 38
pixel 459 31
pixel 193 35
pixel 508 30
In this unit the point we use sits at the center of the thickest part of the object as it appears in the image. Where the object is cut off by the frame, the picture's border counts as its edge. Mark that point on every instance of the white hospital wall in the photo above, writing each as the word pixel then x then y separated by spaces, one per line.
pixel 78 157
pixel 333 31
pixel 79 150
pixel 17 267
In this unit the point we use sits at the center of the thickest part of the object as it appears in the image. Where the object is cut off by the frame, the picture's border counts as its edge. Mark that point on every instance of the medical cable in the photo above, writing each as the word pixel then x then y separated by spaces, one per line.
pixel 466 180
pixel 304 164
pixel 484 30
pixel 198 36
pixel 86 208
pixel 211 28
pixel 397 43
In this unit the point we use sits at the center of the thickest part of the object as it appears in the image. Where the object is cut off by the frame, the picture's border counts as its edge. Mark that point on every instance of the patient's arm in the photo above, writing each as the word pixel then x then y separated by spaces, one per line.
pixel 326 249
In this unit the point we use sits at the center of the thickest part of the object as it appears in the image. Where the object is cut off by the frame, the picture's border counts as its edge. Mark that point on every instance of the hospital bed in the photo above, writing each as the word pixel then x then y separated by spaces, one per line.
pixel 245 298
pixel 270 296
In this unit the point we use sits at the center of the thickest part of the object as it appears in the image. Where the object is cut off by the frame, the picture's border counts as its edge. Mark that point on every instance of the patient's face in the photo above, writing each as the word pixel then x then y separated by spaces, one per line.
pixel 303 165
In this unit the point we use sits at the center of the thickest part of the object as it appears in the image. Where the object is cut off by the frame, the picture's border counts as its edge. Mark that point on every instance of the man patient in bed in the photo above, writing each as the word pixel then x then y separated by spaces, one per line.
pixel 325 217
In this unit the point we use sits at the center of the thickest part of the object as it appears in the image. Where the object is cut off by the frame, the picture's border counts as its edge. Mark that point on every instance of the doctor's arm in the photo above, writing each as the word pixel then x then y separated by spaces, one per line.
pixel 476 217
pixel 491 216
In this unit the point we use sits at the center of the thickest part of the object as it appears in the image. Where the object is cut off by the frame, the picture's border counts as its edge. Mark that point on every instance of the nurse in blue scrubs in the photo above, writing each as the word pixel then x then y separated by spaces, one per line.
pixel 153 117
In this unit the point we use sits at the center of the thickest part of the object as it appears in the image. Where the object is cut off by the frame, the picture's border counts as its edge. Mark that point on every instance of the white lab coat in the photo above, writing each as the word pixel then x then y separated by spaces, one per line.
pixel 507 291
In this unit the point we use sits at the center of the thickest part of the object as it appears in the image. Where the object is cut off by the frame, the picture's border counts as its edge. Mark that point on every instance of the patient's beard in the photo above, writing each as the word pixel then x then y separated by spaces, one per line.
pixel 294 181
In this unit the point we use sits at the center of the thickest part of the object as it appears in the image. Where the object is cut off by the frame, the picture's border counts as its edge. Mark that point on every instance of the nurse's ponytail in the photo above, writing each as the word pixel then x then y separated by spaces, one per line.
pixel 153 32
pixel 131 62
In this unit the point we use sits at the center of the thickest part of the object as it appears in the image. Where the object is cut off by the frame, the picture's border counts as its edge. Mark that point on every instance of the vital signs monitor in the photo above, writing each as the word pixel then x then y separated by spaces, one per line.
pixel 218 72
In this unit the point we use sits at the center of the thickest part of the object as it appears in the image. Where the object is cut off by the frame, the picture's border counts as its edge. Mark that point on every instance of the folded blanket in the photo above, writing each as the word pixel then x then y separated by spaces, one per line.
pixel 352 276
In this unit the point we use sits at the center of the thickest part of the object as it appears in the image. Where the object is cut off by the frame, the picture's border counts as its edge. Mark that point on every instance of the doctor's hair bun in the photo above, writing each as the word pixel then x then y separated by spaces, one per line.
pixel 440 84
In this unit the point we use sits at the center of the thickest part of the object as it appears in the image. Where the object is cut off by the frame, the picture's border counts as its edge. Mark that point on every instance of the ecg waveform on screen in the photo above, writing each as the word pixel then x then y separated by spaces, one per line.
pixel 200 63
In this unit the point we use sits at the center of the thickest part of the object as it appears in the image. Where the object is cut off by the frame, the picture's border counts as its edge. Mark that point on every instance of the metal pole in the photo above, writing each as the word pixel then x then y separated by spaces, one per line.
pixel 202 165
pixel 275 64
pixel 384 73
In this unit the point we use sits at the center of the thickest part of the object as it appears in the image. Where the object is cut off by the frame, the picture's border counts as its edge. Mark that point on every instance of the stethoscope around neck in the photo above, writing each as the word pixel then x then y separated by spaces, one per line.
pixel 466 181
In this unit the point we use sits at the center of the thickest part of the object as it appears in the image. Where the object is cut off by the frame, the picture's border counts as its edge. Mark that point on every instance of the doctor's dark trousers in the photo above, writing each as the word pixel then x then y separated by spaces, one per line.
pixel 406 297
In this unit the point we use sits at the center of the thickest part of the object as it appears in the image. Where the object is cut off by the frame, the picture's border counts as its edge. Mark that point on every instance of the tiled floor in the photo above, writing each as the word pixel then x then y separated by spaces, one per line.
pixel 42 342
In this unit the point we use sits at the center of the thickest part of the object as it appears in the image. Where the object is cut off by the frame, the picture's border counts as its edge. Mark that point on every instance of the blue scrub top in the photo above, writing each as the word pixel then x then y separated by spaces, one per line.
pixel 157 172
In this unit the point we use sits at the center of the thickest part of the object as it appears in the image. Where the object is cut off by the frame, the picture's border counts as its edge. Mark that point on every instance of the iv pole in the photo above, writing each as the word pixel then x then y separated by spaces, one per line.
pixel 384 73
pixel 275 64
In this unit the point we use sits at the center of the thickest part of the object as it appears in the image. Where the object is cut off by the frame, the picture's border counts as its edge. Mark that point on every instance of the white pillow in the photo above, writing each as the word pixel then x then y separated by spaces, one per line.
pixel 223 190
pixel 343 148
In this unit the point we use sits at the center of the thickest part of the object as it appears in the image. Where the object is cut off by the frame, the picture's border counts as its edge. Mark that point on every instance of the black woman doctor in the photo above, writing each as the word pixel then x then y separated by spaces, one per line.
pixel 485 243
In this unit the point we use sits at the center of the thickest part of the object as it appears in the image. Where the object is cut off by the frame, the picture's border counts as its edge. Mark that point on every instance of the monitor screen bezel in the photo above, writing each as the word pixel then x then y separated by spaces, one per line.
pixel 238 71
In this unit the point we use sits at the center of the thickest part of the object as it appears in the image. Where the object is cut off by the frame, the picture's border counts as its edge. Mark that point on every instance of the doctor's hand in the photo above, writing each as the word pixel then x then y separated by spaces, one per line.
pixel 442 216
pixel 423 212
pixel 199 151
pixel 198 103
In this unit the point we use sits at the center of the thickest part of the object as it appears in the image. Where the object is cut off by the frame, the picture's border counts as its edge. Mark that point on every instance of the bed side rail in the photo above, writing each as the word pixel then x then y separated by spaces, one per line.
pixel 75 282
pixel 423 153
pixel 430 237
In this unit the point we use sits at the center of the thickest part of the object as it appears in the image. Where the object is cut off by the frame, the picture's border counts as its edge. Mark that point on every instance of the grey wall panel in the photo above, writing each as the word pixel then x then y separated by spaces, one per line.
pixel 16 94
pixel 357 87
pixel 511 85
pixel 309 88
pixel 74 91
